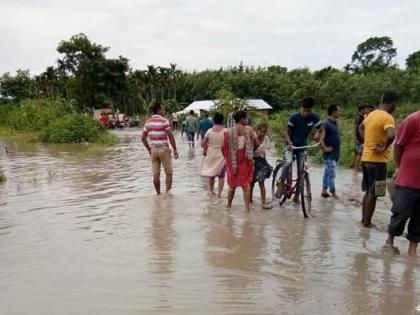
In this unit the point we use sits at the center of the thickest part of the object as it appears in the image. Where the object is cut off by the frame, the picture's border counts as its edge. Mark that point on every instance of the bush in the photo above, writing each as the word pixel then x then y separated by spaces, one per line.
pixel 34 115
pixel 73 128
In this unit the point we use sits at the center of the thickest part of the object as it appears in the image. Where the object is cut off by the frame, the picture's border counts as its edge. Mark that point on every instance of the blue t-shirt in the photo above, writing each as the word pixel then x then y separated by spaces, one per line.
pixel 205 124
pixel 300 128
pixel 332 139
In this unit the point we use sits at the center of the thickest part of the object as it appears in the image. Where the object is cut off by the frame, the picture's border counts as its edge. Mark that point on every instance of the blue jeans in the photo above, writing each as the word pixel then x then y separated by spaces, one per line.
pixel 300 159
pixel 190 136
pixel 329 175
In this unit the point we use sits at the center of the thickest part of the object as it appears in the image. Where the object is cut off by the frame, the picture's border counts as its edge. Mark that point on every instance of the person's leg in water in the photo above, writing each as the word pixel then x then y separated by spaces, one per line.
pixel 166 159
pixel 231 195
pixel 211 185
pixel 168 182
pixel 356 162
pixel 221 184
pixel 300 160
pixel 156 183
pixel 369 205
pixel 284 172
pixel 252 193
pixel 156 163
pixel 324 192
pixel 247 196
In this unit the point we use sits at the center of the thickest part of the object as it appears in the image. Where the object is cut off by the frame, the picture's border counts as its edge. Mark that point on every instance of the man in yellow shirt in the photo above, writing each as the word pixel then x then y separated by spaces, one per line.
pixel 378 131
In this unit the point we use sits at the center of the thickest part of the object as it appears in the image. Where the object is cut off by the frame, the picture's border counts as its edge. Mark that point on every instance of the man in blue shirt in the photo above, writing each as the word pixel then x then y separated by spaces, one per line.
pixel 205 124
pixel 330 144
pixel 299 127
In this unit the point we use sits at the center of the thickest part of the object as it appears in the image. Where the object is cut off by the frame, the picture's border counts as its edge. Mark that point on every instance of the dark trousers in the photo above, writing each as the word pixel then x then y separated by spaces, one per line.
pixel 406 205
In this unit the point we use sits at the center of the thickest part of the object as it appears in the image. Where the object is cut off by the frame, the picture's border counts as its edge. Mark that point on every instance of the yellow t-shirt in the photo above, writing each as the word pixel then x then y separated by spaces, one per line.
pixel 376 124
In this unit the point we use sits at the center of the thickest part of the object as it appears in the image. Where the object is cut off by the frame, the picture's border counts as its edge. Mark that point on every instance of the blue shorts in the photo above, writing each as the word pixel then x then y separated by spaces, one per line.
pixel 190 136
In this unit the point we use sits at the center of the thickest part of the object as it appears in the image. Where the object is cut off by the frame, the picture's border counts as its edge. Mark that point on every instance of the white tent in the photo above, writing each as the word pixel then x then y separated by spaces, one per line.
pixel 208 105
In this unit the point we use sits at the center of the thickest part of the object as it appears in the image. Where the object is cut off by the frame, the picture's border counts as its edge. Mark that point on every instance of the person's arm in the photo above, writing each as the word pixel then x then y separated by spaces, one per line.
pixel 355 132
pixel 172 142
pixel 205 145
pixel 322 134
pixel 288 132
pixel 144 140
pixel 361 130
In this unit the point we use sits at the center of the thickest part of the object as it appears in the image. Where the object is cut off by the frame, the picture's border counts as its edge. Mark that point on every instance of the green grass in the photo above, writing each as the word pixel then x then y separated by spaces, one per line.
pixel 2 177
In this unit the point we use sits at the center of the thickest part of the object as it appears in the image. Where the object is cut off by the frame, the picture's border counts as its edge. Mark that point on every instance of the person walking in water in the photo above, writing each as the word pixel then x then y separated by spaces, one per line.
pixel 330 144
pixel 205 124
pixel 238 150
pixel 214 165
pixel 262 170
pixel 378 132
pixel 299 127
pixel 159 132
pixel 192 128
pixel 406 198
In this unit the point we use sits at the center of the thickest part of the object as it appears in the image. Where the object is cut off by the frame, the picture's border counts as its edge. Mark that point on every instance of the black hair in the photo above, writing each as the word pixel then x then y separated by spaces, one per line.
pixel 262 126
pixel 191 112
pixel 371 106
pixel 218 118
pixel 390 97
pixel 156 107
pixel 239 115
pixel 331 109
pixel 308 103
pixel 362 107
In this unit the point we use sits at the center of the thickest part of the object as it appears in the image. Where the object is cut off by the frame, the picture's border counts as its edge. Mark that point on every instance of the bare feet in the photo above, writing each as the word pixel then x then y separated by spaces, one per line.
pixel 412 249
pixel 296 199
pixel 369 225
pixel 267 206
pixel 388 249
pixel 325 195
pixel 334 196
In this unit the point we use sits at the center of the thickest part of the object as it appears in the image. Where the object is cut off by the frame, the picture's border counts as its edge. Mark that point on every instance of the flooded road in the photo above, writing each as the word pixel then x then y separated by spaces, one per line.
pixel 82 232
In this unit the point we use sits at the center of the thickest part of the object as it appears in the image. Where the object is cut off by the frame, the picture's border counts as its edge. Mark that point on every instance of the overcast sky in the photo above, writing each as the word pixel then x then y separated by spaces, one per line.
pixel 197 34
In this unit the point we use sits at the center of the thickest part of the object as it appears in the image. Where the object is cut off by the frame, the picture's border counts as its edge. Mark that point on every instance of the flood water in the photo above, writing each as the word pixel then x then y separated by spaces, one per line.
pixel 82 232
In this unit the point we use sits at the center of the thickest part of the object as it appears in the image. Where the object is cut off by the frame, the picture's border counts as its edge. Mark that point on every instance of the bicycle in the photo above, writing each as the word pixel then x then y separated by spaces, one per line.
pixel 302 182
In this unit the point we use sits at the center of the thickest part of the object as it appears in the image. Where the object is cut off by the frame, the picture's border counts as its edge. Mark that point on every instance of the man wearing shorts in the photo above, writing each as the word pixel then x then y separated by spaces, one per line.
pixel 378 132
pixel 406 199
pixel 160 134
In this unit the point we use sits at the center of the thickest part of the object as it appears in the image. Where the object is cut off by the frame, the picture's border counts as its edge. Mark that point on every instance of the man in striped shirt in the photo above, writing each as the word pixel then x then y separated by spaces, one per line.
pixel 157 134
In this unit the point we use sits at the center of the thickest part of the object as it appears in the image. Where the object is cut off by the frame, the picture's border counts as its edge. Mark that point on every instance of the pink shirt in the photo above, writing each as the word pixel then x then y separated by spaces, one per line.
pixel 156 127
pixel 408 136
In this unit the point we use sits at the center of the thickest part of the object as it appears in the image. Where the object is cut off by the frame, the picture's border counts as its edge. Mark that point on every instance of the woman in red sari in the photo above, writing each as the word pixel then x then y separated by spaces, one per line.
pixel 238 148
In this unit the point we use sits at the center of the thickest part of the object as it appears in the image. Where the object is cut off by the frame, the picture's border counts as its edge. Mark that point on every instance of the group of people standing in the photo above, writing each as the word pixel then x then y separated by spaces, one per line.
pixel 238 151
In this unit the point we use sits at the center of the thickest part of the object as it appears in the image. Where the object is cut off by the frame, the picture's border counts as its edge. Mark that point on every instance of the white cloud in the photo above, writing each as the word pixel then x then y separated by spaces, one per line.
pixel 198 34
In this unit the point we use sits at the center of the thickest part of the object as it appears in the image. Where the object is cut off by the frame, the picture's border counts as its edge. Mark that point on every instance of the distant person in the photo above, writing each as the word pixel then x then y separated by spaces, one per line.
pixel 378 132
pixel 370 109
pixel 330 144
pixel 104 119
pixel 238 150
pixel 205 124
pixel 299 127
pixel 358 140
pixel 174 121
pixel 406 198
pixel 159 131
pixel 214 165
pixel 262 170
pixel 192 128
pixel 184 128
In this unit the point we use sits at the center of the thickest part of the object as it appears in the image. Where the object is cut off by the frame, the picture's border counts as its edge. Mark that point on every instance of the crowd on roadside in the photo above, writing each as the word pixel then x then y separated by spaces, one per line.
pixel 237 151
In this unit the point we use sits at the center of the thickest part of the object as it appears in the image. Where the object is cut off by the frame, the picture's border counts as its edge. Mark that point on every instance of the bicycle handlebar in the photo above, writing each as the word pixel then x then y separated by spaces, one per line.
pixel 306 146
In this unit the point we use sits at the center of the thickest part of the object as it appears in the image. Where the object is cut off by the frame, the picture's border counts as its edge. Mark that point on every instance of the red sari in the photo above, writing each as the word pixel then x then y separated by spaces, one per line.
pixel 245 166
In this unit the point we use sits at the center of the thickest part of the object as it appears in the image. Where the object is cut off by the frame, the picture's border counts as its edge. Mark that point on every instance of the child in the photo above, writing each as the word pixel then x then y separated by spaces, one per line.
pixel 262 170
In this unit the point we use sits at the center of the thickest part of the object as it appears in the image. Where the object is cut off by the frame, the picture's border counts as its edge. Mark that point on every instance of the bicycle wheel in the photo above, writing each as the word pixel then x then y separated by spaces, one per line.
pixel 276 178
pixel 305 194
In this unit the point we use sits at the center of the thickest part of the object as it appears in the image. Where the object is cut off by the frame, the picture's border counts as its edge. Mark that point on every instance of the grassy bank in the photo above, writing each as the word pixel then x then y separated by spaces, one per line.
pixel 278 122
pixel 51 121
pixel 2 177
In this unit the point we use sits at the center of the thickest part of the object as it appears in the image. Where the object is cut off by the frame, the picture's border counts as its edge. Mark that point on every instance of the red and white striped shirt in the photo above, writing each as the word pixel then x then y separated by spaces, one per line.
pixel 156 127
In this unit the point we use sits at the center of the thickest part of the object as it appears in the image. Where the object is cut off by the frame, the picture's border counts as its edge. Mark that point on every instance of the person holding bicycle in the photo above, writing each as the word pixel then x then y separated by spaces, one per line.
pixel 299 127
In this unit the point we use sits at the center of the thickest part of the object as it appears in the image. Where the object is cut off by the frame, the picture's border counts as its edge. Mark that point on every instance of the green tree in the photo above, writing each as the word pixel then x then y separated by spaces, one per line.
pixel 413 62
pixel 17 87
pixel 374 54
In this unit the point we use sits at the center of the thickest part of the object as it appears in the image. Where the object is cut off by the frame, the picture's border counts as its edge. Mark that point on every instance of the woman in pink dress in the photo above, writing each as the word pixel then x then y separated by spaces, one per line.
pixel 214 162
pixel 238 150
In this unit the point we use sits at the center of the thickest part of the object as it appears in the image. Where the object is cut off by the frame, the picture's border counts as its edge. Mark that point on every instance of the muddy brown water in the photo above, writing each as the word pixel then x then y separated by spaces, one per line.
pixel 81 232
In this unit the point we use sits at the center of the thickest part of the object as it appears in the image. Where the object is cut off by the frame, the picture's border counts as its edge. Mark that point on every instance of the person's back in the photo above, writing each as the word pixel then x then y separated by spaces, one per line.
pixel 205 124
pixel 408 136
pixel 191 122
pixel 375 126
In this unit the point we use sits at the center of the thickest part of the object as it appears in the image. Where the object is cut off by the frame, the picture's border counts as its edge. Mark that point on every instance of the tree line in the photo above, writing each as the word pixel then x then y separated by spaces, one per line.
pixel 84 76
